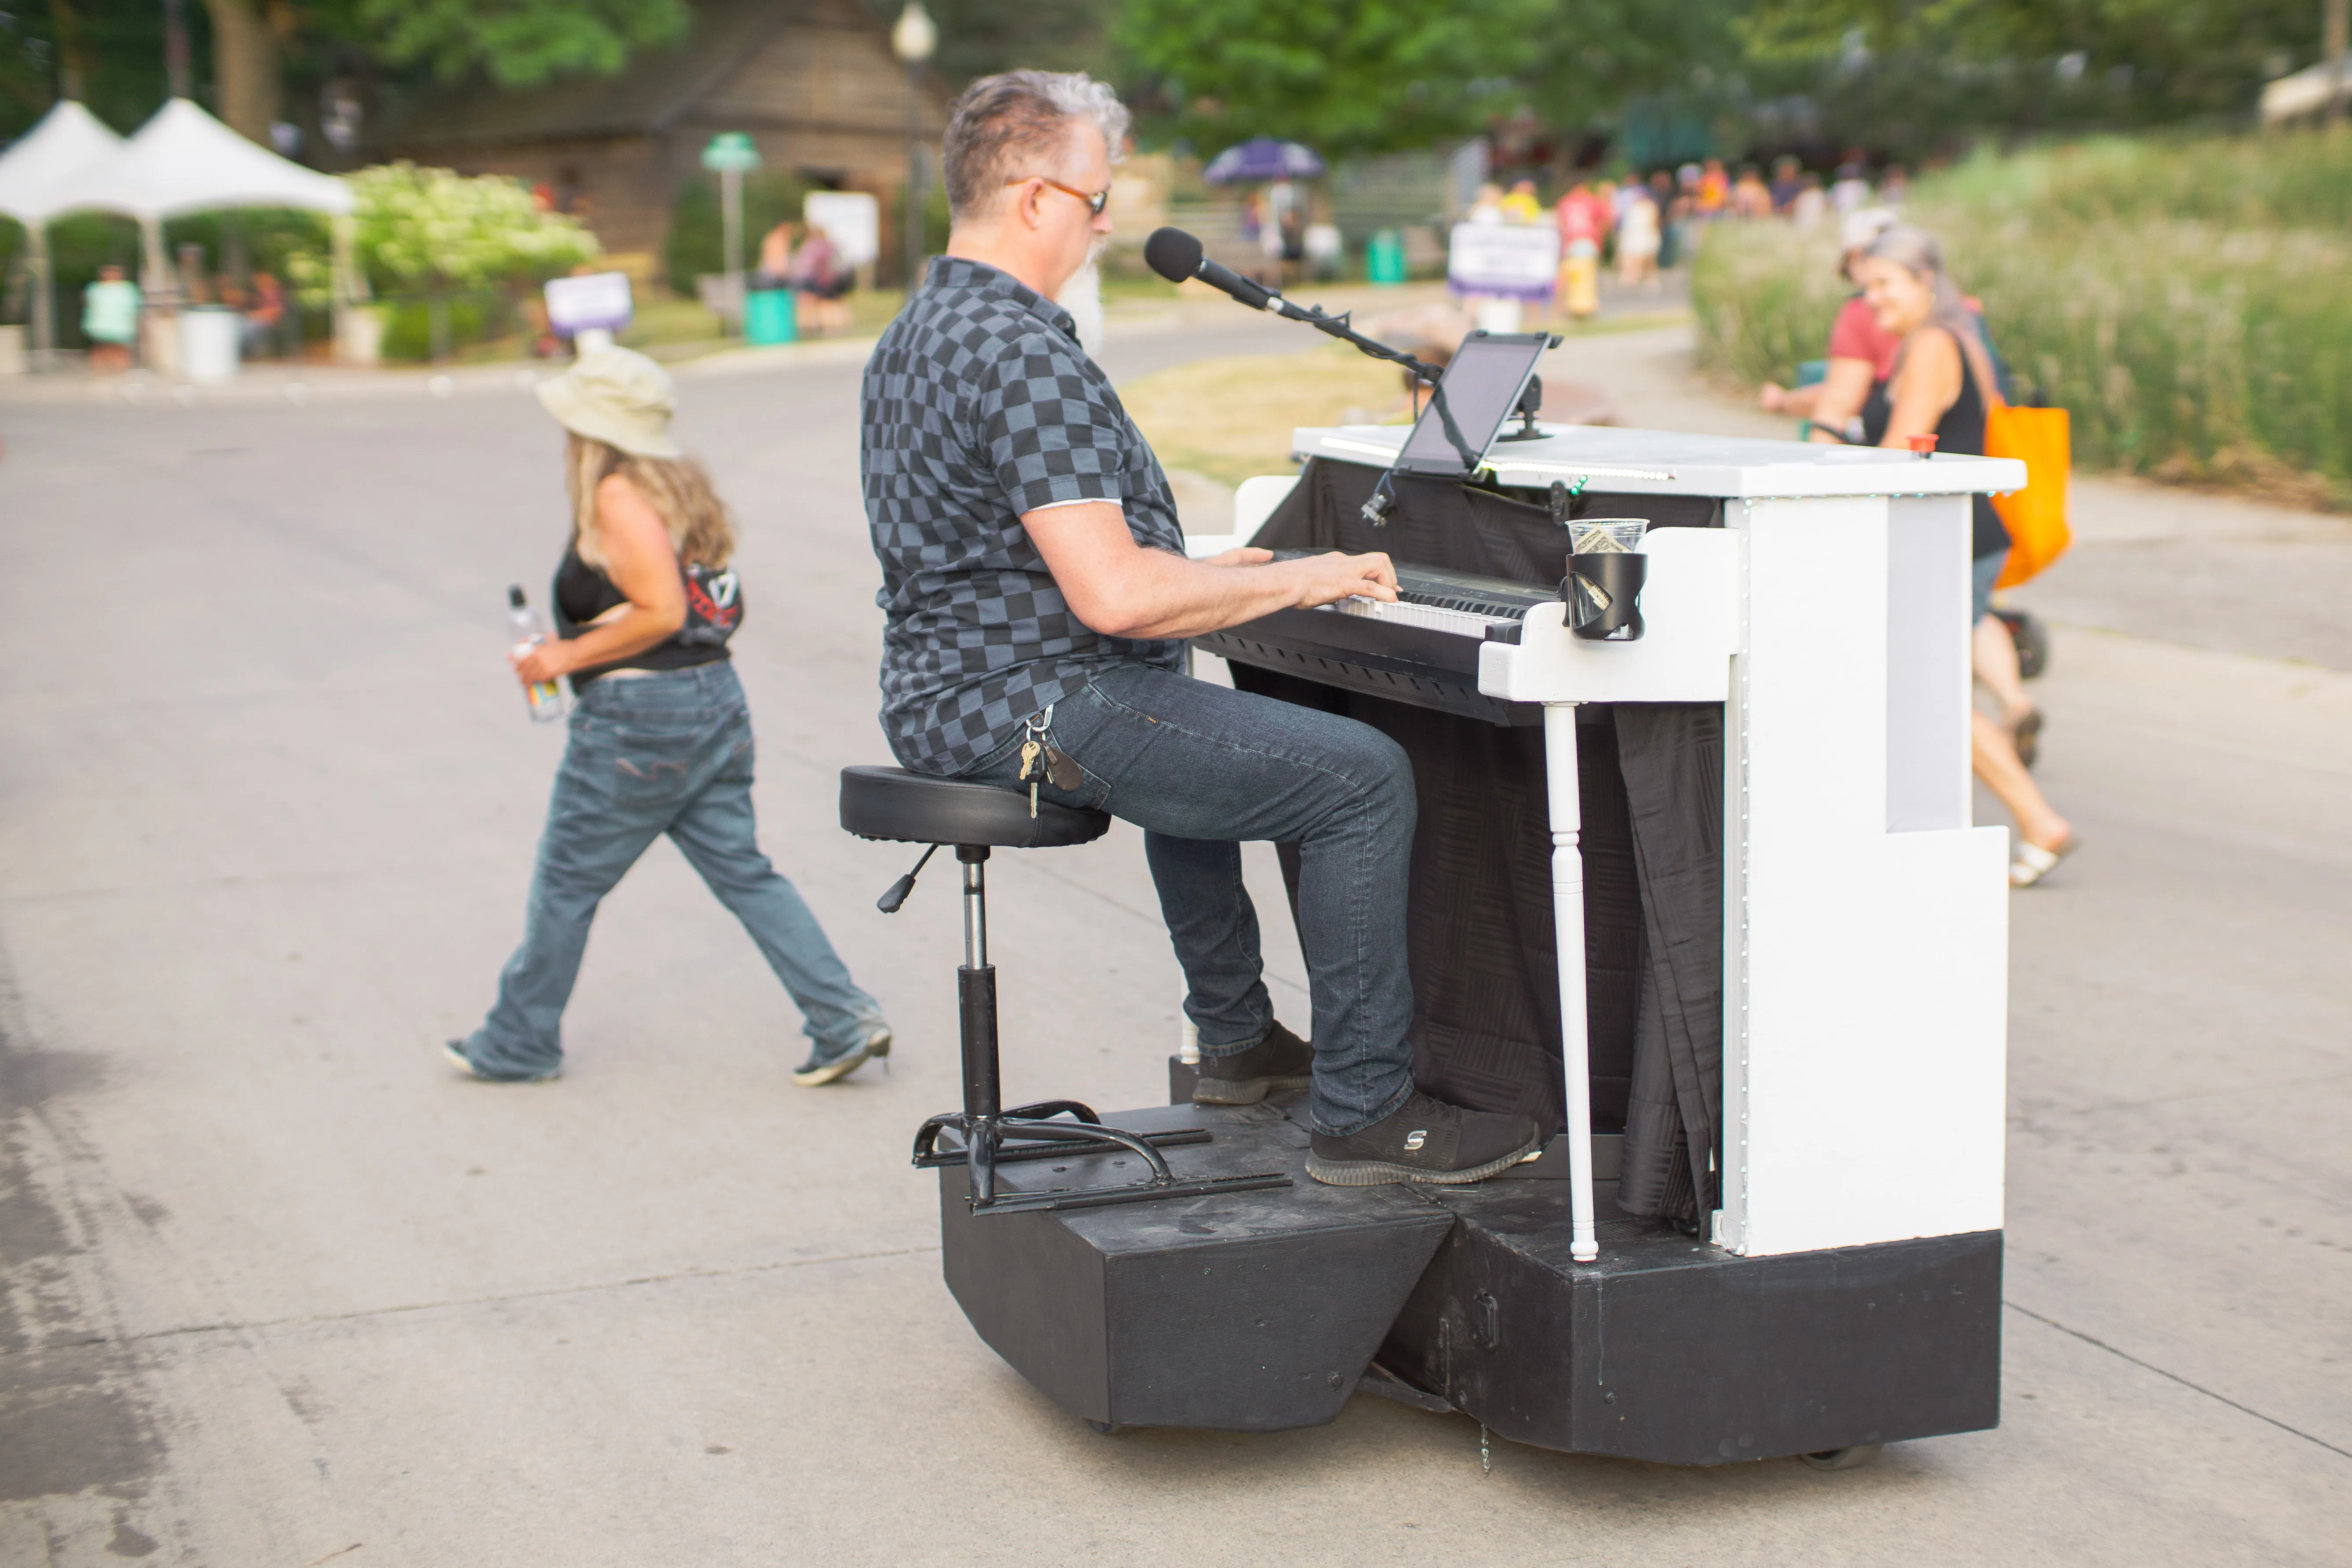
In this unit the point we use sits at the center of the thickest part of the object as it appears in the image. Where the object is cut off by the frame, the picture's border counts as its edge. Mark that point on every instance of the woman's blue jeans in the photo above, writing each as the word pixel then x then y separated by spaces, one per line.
pixel 1201 768
pixel 664 752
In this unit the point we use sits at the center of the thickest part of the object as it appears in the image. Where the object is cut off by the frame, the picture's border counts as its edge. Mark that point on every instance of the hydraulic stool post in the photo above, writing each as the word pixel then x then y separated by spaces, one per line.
pixel 976 990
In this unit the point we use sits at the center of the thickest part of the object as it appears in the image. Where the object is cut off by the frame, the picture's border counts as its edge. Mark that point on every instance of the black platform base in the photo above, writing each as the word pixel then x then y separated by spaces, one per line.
pixel 1245 1312
pixel 1260 1311
pixel 1671 1350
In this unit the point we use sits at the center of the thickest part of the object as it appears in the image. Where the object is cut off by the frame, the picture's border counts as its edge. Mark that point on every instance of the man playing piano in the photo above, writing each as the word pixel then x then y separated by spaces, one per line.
pixel 1038 594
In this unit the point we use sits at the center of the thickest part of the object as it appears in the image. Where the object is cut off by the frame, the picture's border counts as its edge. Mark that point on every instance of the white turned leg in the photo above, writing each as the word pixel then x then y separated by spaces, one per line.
pixel 1567 920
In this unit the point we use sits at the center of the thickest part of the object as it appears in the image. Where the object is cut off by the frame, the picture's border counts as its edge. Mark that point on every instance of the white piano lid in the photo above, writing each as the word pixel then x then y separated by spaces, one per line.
pixel 1669 462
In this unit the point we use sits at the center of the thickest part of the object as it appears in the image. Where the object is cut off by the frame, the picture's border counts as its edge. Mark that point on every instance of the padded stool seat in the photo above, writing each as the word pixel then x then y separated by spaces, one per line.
pixel 916 808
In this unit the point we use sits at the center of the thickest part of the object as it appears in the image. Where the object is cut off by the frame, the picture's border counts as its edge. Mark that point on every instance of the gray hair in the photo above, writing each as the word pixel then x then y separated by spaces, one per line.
pixel 1002 121
pixel 1916 251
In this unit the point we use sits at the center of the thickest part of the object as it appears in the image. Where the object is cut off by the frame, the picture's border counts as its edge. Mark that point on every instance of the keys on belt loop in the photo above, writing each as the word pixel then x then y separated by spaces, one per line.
pixel 1042 762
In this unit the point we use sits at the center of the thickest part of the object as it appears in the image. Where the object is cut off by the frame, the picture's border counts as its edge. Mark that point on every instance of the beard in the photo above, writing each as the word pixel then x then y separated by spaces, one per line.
pixel 1082 298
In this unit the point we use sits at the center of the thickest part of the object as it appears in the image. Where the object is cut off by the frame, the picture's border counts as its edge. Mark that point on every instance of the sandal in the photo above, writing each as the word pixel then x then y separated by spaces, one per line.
pixel 2028 863
pixel 2026 733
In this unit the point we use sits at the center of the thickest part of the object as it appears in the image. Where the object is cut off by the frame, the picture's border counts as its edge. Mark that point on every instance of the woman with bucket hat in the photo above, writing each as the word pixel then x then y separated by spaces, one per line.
pixel 661 740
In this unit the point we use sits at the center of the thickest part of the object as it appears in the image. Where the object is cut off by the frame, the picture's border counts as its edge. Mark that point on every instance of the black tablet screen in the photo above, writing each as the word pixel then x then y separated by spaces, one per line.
pixel 1478 393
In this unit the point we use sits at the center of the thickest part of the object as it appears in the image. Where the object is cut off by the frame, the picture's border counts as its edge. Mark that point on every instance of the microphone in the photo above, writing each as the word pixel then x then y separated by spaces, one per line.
pixel 1176 255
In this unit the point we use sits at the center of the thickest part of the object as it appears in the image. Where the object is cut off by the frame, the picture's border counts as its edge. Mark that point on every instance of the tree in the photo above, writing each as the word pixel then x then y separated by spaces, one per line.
pixel 245 63
pixel 517 43
pixel 1955 66
pixel 1362 75
pixel 521 43
pixel 981 37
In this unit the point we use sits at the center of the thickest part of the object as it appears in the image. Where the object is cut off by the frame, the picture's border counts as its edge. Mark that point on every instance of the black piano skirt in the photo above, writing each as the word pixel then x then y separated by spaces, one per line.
pixel 1485 975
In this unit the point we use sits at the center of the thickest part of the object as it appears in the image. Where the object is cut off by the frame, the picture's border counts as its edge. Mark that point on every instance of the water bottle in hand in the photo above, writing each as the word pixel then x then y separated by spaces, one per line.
pixel 545 696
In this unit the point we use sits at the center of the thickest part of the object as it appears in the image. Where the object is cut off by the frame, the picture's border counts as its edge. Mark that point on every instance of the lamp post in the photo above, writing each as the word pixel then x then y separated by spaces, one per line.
pixel 913 38
pixel 731 155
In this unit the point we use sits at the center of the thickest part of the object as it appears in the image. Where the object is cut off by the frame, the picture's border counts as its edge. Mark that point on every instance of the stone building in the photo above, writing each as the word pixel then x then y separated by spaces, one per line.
pixel 813 81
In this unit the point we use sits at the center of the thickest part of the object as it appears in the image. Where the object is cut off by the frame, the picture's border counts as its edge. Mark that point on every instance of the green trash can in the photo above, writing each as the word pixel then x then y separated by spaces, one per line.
pixel 768 317
pixel 1384 257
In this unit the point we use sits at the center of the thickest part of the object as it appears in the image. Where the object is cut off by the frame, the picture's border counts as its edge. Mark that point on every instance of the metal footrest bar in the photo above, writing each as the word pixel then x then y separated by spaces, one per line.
pixel 1061 1150
pixel 1098 1197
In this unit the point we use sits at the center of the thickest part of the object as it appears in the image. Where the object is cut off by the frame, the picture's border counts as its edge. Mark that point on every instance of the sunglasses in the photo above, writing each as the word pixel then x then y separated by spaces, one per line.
pixel 1095 202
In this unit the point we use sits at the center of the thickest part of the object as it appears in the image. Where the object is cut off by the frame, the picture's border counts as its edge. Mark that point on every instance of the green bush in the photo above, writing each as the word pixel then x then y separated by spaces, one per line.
pixel 478 243
pixel 470 319
pixel 2185 301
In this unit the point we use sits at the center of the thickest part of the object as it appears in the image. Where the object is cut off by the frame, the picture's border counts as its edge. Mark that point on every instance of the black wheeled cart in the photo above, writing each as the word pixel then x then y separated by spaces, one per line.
pixel 1705 901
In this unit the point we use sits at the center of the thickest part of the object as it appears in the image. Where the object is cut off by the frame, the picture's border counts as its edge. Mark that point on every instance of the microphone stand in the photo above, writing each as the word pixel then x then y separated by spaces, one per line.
pixel 1338 326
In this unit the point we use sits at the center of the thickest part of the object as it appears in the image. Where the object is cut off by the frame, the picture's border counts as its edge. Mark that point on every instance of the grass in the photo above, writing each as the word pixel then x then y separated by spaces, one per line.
pixel 2185 301
pixel 659 324
pixel 1231 419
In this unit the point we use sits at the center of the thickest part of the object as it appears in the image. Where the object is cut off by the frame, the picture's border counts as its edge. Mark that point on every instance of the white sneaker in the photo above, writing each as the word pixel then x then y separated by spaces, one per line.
pixel 818 1070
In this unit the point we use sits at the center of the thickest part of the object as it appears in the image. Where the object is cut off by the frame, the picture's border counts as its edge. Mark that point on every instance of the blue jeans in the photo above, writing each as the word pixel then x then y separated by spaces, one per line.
pixel 665 752
pixel 1201 768
pixel 1983 572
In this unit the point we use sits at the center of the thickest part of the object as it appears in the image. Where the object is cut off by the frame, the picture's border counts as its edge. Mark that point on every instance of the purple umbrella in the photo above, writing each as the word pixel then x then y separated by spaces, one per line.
pixel 1263 158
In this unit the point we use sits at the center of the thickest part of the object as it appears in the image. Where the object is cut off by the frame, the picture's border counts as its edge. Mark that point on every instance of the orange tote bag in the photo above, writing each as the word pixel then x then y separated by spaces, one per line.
pixel 2036 515
pixel 2040 438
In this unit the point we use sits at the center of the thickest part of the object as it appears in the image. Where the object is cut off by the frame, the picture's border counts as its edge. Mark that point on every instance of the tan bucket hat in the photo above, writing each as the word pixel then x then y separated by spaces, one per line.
pixel 617 396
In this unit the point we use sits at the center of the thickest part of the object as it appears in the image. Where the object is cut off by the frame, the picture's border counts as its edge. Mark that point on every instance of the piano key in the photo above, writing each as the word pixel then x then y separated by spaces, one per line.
pixel 1411 613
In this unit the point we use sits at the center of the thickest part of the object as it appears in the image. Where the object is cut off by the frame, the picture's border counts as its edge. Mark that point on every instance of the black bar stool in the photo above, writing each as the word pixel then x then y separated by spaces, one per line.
pixel 916 808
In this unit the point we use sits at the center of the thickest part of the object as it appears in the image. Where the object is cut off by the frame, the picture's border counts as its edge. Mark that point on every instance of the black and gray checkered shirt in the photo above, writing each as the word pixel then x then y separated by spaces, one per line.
pixel 981 405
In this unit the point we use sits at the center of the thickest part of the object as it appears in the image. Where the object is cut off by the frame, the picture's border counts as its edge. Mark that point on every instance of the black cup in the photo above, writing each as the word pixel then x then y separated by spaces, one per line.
pixel 1604 592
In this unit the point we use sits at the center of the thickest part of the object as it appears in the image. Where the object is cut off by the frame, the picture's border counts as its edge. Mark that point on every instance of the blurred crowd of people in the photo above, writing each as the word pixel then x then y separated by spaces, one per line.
pixel 803 259
pixel 1642 224
pixel 114 309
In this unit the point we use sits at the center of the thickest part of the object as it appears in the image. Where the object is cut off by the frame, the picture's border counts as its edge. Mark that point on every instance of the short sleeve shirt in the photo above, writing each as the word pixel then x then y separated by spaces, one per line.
pixel 980 406
pixel 1856 334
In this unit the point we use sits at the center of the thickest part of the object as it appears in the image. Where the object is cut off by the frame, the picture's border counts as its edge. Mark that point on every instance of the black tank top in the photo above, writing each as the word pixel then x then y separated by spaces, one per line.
pixel 1961 429
pixel 714 608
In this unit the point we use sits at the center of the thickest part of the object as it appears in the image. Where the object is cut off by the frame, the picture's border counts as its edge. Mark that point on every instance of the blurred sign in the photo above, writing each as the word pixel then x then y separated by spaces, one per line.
pixel 851 219
pixel 599 300
pixel 730 151
pixel 1515 261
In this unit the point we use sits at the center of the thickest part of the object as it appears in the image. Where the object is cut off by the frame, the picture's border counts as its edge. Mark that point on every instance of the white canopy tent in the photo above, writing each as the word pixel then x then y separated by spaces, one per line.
pixel 39 174
pixel 183 161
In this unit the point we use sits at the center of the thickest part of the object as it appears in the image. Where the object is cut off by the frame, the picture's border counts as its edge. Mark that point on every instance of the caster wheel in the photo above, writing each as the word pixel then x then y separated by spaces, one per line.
pixel 1851 1459
pixel 1104 1428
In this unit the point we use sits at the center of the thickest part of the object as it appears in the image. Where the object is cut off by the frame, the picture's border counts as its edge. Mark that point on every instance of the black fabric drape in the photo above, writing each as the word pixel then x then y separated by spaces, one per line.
pixel 1672 757
pixel 1480 932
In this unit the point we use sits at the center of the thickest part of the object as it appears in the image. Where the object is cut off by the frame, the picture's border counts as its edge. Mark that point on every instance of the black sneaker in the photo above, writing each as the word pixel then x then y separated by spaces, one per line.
pixel 1425 1140
pixel 1281 1060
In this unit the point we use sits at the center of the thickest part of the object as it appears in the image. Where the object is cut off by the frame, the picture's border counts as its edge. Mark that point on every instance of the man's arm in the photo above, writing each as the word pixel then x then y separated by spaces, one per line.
pixel 1122 590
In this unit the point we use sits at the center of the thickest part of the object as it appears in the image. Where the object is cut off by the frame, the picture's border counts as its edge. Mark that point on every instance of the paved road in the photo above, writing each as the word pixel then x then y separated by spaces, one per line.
pixel 279 1290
